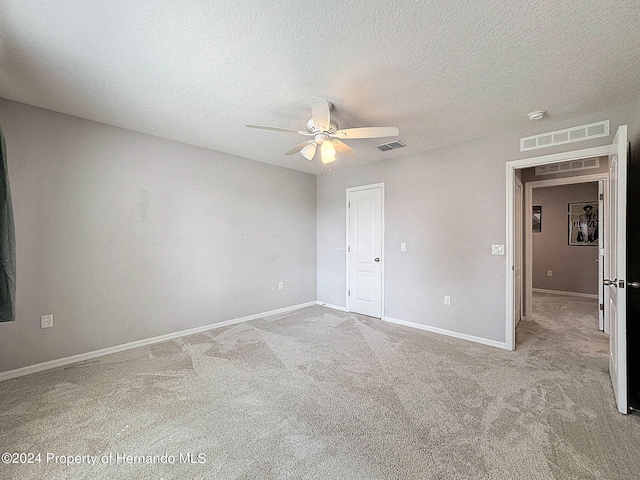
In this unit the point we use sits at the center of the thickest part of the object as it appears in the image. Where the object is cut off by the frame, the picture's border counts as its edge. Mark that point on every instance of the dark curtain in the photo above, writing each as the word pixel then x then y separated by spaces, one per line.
pixel 7 243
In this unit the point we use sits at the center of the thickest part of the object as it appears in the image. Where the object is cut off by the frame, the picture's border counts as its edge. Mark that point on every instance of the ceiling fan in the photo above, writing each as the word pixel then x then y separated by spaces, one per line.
pixel 322 132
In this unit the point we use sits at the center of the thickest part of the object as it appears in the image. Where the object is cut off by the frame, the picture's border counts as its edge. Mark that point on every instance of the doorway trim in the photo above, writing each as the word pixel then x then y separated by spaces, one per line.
pixel 511 167
pixel 518 249
pixel 528 238
pixel 346 255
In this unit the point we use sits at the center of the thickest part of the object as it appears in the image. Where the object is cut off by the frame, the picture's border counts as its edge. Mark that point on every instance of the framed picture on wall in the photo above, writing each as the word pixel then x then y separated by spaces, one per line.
pixel 583 223
pixel 537 219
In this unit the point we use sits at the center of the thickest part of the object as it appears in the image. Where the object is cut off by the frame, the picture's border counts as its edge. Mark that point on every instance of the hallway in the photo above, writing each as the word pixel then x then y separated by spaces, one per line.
pixel 567 325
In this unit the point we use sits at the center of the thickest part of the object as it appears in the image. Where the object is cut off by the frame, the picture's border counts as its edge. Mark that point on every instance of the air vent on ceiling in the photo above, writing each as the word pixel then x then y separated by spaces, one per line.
pixel 385 147
pixel 568 135
pixel 572 166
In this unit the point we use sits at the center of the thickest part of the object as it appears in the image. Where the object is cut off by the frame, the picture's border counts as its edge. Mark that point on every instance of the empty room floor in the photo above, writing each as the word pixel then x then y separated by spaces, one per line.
pixel 324 394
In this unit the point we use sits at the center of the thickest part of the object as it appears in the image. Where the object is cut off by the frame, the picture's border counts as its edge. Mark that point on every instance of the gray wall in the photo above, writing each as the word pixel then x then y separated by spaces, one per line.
pixel 124 236
pixel 574 268
pixel 448 205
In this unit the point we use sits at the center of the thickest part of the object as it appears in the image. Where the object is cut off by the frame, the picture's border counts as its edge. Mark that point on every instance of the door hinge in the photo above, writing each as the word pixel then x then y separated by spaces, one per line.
pixel 602 307
pixel 602 196
pixel 348 293
pixel 349 248
pixel 349 204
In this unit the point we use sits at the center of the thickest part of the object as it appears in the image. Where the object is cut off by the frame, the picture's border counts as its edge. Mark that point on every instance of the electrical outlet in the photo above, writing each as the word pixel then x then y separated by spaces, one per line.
pixel 447 300
pixel 549 273
pixel 46 321
pixel 280 286
pixel 497 249
pixel 403 247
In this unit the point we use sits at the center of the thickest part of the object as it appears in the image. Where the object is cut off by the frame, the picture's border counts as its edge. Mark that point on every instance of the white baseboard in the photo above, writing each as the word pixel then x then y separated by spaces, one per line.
pixel 440 331
pixel 334 307
pixel 565 294
pixel 38 367
pixel 60 362
pixel 449 333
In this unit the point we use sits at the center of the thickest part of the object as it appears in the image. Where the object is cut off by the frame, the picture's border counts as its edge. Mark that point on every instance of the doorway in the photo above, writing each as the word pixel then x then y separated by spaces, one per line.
pixel 572 266
pixel 614 286
pixel 512 168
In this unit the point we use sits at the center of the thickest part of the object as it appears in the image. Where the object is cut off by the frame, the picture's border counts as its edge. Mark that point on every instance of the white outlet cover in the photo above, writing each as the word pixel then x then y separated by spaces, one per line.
pixel 403 247
pixel 46 321
pixel 447 300
pixel 497 249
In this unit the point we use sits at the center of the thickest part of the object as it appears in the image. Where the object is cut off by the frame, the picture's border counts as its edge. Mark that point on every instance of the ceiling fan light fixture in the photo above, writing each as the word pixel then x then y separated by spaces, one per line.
pixel 327 150
pixel 309 151
pixel 328 159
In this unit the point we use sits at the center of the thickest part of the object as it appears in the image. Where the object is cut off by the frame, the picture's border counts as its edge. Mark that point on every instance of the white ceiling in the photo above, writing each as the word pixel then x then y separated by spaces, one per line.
pixel 197 71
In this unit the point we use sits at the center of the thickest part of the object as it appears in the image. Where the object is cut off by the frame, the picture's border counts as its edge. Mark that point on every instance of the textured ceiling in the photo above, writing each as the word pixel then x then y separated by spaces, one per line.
pixel 443 71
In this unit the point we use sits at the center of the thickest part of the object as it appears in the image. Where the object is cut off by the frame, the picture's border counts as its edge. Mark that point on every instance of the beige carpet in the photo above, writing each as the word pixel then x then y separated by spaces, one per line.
pixel 319 394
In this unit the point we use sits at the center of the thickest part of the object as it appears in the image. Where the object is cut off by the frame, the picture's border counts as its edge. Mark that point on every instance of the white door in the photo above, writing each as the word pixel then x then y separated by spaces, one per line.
pixel 601 259
pixel 364 251
pixel 517 267
pixel 615 293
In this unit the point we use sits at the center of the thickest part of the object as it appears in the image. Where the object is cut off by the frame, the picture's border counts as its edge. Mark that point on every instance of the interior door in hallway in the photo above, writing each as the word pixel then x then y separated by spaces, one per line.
pixel 364 250
pixel 615 292
pixel 602 272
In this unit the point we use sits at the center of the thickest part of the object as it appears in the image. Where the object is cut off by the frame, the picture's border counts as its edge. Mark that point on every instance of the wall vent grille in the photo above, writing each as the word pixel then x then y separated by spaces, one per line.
pixel 572 166
pixel 385 147
pixel 568 135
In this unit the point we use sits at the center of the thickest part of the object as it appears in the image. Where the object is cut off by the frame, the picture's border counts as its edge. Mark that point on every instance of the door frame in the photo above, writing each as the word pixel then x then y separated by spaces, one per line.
pixel 603 194
pixel 518 257
pixel 528 237
pixel 511 167
pixel 346 254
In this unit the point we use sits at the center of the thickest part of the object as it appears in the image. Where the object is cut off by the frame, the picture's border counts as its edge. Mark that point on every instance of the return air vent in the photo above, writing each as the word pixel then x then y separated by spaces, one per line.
pixel 385 147
pixel 572 166
pixel 568 135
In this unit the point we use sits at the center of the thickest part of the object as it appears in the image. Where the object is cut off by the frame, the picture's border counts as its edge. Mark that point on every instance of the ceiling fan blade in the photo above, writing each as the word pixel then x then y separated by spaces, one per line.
pixel 366 132
pixel 278 129
pixel 320 113
pixel 344 149
pixel 297 148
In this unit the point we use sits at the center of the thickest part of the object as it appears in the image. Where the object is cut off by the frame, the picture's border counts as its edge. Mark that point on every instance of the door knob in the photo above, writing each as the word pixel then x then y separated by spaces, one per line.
pixel 611 283
pixel 634 284
pixel 377 259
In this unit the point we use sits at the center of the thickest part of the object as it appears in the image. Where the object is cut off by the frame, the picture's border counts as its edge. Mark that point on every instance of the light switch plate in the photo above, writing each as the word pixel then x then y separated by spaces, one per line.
pixel 497 249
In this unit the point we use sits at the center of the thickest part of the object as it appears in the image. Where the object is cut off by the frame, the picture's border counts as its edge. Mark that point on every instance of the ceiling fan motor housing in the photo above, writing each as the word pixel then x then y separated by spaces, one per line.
pixel 313 129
